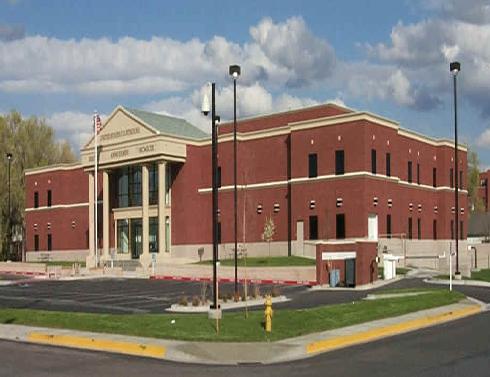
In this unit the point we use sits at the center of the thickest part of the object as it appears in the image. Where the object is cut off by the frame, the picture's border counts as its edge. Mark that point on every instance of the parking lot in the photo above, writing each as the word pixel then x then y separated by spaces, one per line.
pixel 127 296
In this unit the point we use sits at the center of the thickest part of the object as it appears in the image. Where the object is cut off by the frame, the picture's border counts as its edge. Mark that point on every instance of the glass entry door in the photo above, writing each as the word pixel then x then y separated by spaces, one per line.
pixel 136 238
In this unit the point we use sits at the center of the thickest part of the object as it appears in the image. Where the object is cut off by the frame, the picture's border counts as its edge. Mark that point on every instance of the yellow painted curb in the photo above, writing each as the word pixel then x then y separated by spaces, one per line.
pixel 129 348
pixel 369 335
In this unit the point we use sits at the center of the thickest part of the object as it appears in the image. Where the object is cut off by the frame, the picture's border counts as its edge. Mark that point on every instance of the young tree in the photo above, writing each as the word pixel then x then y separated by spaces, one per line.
pixel 476 203
pixel 269 231
pixel 32 144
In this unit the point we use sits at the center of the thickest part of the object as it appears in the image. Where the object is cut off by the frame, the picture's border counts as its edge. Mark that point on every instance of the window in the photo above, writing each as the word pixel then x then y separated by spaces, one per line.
pixel 167 234
pixel 135 186
pixel 123 236
pixel 36 242
pixel 339 162
pixel 153 184
pixel 218 177
pixel 418 173
pixel 461 232
pixel 50 242
pixel 434 229
pixel 36 199
pixel 388 164
pixel 129 186
pixel 451 178
pixel 388 226
pixel 312 165
pixel 153 234
pixel 434 177
pixel 409 172
pixel 122 188
pixel 419 228
pixel 373 161
pixel 340 226
pixel 460 183
pixel 313 227
pixel 168 183
pixel 452 229
pixel 49 198
pixel 409 228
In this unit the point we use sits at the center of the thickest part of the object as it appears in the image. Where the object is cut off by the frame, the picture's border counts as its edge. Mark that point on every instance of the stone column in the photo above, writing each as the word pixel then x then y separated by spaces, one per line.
pixel 90 261
pixel 145 256
pixel 162 165
pixel 105 214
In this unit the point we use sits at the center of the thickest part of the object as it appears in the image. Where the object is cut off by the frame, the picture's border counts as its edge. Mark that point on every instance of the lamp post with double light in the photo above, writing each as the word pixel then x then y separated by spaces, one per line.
pixel 235 72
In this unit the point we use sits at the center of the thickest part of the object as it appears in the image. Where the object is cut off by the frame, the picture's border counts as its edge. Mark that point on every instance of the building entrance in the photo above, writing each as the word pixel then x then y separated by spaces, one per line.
pixel 136 238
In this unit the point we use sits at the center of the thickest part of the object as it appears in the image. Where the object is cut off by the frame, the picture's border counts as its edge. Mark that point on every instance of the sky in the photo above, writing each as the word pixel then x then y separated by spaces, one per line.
pixel 61 60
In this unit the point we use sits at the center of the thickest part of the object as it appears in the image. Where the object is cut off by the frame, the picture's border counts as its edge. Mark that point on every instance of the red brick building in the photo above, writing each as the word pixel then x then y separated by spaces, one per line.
pixel 322 173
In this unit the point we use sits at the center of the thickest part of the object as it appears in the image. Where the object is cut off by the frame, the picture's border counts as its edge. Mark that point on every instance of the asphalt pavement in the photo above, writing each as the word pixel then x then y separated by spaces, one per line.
pixel 459 348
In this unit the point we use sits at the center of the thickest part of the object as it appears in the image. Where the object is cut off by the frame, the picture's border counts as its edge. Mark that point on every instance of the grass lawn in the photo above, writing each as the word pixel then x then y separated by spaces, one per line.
pixel 399 271
pixel 61 263
pixel 483 275
pixel 234 326
pixel 267 262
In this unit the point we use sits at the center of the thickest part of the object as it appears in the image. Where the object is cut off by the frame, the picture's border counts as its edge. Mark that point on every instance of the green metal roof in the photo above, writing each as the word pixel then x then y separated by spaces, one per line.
pixel 169 125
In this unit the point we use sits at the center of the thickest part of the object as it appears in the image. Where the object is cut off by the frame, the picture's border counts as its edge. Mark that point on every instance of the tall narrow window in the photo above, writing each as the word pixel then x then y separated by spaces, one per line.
pixel 461 232
pixel 373 161
pixel 388 164
pixel 451 178
pixel 36 242
pixel 434 229
pixel 460 183
pixel 153 184
pixel 36 199
pixel 153 235
pixel 339 162
pixel 50 242
pixel 313 227
pixel 168 182
pixel 218 176
pixel 340 226
pixel 388 226
pixel 434 177
pixel 419 228
pixel 418 173
pixel 452 229
pixel 167 234
pixel 123 236
pixel 312 165
pixel 409 228
pixel 49 198
pixel 409 172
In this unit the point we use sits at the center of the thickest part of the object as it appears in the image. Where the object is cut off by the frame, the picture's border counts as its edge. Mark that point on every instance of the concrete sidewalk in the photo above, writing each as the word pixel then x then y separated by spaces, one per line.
pixel 235 353
pixel 473 283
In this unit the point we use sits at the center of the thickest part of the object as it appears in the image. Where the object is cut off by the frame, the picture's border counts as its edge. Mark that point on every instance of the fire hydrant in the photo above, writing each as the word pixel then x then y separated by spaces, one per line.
pixel 268 314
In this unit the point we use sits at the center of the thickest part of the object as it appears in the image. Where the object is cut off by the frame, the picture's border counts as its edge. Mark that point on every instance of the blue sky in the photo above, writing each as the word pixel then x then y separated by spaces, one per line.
pixel 63 59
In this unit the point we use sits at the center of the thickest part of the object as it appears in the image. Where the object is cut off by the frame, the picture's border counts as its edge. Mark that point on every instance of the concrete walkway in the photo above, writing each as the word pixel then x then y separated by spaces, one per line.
pixel 235 353
pixel 474 283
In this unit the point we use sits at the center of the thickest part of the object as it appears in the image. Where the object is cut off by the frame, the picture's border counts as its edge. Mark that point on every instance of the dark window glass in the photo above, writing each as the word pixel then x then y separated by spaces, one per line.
pixel 373 161
pixel 451 178
pixel 461 232
pixel 49 198
pixel 129 186
pixel 340 226
pixel 312 165
pixel 153 234
pixel 460 183
pixel 388 226
pixel 36 242
pixel 135 186
pixel 313 227
pixel 418 173
pixel 50 244
pixel 153 184
pixel 409 228
pixel 123 188
pixel 452 229
pixel 123 236
pixel 409 172
pixel 434 229
pixel 339 162
pixel 419 228
pixel 218 176
pixel 434 177
pixel 36 199
pixel 388 164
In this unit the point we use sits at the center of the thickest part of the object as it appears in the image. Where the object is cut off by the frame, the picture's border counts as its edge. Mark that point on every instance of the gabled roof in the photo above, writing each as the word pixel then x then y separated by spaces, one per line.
pixel 168 125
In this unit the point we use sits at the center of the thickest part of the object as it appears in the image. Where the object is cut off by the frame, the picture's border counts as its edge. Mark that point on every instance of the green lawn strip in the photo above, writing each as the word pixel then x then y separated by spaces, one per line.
pixel 234 326
pixel 61 263
pixel 267 262
pixel 483 275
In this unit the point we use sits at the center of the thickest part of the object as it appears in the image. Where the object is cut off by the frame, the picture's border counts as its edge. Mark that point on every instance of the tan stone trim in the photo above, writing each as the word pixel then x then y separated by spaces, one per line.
pixel 429 140
pixel 56 167
pixel 57 206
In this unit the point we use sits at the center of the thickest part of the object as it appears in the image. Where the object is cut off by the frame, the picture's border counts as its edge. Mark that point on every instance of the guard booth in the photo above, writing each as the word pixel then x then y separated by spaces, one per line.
pixel 346 263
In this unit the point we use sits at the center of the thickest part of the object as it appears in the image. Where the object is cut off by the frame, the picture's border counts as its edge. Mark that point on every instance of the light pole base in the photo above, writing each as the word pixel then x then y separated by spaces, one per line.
pixel 457 276
pixel 215 313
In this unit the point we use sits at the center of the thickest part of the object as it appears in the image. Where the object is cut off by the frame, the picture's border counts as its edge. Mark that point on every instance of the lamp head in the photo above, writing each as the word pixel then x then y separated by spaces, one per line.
pixel 454 68
pixel 235 71
pixel 9 156
pixel 205 107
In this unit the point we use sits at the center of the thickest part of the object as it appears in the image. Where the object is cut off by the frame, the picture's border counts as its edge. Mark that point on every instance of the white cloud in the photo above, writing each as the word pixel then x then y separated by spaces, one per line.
pixel 484 139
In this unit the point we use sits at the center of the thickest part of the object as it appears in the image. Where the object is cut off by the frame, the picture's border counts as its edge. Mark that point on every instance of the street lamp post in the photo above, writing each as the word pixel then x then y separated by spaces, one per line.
pixel 214 182
pixel 9 158
pixel 235 73
pixel 454 68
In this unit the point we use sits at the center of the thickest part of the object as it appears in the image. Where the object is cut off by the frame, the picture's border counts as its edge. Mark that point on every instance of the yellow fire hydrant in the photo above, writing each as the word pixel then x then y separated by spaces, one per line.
pixel 268 313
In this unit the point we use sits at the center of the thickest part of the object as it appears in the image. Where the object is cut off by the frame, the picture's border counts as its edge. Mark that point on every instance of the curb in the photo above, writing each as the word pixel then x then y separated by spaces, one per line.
pixel 230 280
pixel 235 353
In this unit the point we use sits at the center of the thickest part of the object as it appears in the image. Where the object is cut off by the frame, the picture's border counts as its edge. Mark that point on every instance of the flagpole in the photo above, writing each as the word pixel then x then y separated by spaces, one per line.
pixel 96 192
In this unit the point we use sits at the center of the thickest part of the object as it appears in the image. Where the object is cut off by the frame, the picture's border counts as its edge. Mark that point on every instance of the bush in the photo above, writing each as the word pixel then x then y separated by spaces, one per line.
pixel 255 291
pixel 183 301
pixel 275 292
pixel 195 301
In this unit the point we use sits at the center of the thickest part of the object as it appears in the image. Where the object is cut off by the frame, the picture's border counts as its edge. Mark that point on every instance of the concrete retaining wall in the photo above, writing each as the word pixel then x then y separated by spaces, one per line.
pixel 57 256
pixel 23 268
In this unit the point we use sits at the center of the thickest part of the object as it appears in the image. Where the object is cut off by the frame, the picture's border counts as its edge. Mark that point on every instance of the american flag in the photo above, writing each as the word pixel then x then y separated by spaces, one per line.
pixel 97 122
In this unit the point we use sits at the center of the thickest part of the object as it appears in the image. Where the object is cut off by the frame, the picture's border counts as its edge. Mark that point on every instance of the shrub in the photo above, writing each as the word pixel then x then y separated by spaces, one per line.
pixel 195 301
pixel 275 292
pixel 183 301
pixel 255 291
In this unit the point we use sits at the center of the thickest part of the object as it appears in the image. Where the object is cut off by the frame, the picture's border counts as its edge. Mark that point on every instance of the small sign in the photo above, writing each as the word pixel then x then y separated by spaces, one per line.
pixel 342 255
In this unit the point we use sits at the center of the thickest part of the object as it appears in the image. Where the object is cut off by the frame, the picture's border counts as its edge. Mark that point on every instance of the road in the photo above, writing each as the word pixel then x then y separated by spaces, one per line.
pixel 459 348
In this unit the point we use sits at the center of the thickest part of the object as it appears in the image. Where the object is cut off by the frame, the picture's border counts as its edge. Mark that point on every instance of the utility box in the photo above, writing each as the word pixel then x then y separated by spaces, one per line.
pixel 389 266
